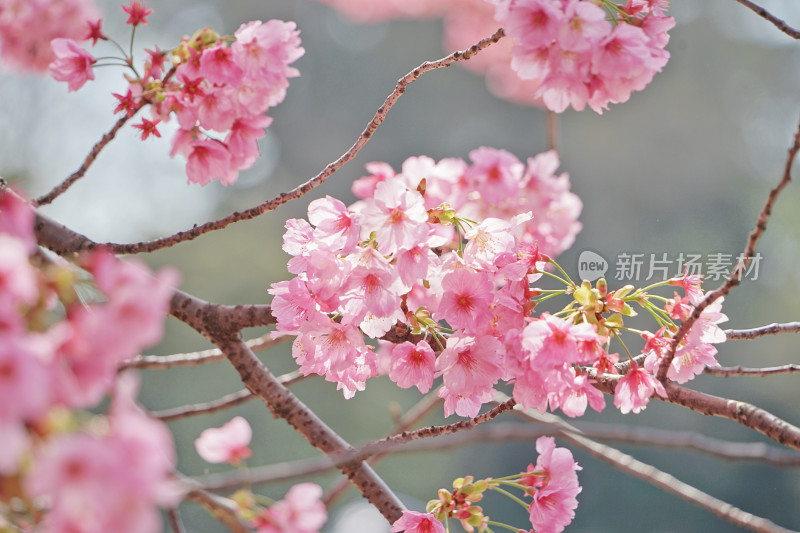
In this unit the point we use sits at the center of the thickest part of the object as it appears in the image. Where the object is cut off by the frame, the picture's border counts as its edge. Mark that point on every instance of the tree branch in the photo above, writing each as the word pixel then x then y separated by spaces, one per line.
pixel 652 475
pixel 771 329
pixel 725 372
pixel 736 275
pixel 763 13
pixel 220 508
pixel 192 358
pixel 319 179
pixel 226 402
pixel 59 189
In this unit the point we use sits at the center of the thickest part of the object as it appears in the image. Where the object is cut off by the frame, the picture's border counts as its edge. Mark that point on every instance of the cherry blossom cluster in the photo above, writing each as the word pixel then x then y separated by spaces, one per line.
pixel 59 352
pixel 560 52
pixel 300 511
pixel 578 56
pixel 552 484
pixel 218 88
pixel 448 251
pixel 27 28
pixel 409 254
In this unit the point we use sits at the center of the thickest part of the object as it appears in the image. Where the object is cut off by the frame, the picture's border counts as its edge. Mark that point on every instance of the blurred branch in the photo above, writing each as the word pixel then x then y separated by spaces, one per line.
pixel 418 412
pixel 226 402
pixel 771 329
pixel 319 179
pixel 552 130
pixel 59 189
pixel 736 275
pixel 652 475
pixel 744 371
pixel 193 358
pixel 763 13
pixel 223 509
pixel 175 520
pixel 505 432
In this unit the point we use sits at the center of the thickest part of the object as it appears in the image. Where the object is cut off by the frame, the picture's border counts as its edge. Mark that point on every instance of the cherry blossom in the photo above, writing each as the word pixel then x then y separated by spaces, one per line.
pixel 554 486
pixel 300 511
pixel 227 444
pixel 27 29
pixel 415 522
pixel 71 64
pixel 635 388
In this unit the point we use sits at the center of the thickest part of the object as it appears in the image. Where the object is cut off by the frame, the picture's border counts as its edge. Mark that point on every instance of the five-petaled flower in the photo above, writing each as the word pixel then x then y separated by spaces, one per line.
pixel 137 13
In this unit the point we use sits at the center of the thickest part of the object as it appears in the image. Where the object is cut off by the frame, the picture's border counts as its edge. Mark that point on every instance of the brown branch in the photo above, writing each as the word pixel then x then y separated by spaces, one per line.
pixel 736 275
pixel 284 404
pixel 226 402
pixel 504 432
pixel 742 412
pixel 78 174
pixel 763 13
pixel 223 509
pixel 771 329
pixel 161 362
pixel 418 412
pixel 652 475
pixel 175 520
pixel 669 483
pixel 729 371
pixel 319 179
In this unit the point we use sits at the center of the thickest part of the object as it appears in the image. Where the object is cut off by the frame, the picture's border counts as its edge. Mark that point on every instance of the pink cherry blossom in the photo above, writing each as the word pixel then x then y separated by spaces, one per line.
pixel 227 444
pixel 72 64
pixel 217 65
pixel 26 378
pixel 495 174
pixel 554 486
pixel 466 300
pixel 300 511
pixel 414 522
pixel 397 215
pixel 209 160
pixel 16 219
pixel 553 341
pixel 27 29
pixel 137 13
pixel 413 365
pixel 336 229
pixel 108 480
pixel 634 389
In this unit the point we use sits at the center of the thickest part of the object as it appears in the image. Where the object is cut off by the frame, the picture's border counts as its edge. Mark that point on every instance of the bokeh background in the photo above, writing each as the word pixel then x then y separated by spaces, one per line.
pixel 682 167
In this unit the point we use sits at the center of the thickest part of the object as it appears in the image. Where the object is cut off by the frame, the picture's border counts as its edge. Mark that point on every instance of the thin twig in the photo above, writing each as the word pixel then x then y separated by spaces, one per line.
pixel 226 402
pixel 320 178
pixel 771 329
pixel 505 432
pixel 729 371
pixel 552 130
pixel 763 13
pixel 78 174
pixel 161 362
pixel 418 412
pixel 652 475
pixel 223 509
pixel 736 275
pixel 175 520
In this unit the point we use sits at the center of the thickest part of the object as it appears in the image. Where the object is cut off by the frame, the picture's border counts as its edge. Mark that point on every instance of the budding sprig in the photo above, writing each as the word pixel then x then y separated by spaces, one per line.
pixel 606 309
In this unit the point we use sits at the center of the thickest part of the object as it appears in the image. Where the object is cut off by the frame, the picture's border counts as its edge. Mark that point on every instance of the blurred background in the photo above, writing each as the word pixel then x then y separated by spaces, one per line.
pixel 683 167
